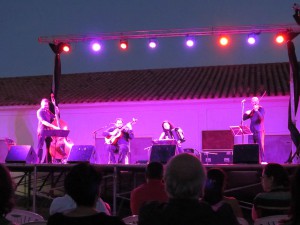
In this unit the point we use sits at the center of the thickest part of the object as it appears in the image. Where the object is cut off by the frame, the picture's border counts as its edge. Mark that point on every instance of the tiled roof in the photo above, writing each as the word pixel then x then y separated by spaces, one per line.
pixel 211 82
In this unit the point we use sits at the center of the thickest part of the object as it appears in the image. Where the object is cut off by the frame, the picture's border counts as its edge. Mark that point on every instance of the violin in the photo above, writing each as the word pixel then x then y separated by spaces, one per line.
pixel 116 133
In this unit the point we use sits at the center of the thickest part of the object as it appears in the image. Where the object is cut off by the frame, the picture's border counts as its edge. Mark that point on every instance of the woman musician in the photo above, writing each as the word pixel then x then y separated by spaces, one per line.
pixel 170 132
pixel 117 140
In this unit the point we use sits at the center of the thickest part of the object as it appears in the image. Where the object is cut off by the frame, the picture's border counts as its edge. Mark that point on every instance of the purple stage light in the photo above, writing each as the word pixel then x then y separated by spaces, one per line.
pixel 96 46
pixel 190 41
pixel 152 43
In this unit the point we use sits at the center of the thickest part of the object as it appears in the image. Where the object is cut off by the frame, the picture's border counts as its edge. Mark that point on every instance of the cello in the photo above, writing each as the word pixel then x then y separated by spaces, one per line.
pixel 60 146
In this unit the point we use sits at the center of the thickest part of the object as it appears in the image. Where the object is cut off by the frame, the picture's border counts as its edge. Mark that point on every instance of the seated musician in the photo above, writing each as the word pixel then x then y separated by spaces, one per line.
pixel 117 140
pixel 170 132
pixel 45 118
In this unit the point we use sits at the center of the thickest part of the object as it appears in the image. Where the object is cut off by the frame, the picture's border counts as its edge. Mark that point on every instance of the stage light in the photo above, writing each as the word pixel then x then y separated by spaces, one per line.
pixel 124 44
pixel 96 46
pixel 252 39
pixel 223 40
pixel 189 41
pixel 64 47
pixel 280 38
pixel 152 43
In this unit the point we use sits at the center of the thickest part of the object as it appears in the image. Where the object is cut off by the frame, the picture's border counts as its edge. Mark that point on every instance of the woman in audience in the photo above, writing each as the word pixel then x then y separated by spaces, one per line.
pixel 275 200
pixel 83 185
pixel 294 215
pixel 228 208
pixel 7 192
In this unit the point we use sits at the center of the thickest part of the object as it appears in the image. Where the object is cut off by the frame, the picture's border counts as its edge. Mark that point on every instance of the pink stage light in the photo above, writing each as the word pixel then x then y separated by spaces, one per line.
pixel 124 44
pixel 279 38
pixel 223 41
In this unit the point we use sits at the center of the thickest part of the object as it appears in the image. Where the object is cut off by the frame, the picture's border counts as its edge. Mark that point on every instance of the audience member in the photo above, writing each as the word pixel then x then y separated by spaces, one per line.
pixel 294 216
pixel 275 199
pixel 7 192
pixel 227 207
pixel 66 203
pixel 83 185
pixel 152 190
pixel 184 179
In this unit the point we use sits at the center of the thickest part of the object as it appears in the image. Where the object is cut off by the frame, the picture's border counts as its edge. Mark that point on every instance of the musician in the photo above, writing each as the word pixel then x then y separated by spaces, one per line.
pixel 256 116
pixel 170 132
pixel 45 118
pixel 118 137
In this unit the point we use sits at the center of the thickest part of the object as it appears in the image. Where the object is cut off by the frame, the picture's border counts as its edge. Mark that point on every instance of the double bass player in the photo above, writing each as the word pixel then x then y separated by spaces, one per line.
pixel 45 118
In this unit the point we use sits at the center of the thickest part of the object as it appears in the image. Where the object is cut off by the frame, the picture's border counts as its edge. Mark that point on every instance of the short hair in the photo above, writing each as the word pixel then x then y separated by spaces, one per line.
pixel 215 181
pixel 278 172
pixel 82 183
pixel 154 170
pixel 184 177
pixel 7 191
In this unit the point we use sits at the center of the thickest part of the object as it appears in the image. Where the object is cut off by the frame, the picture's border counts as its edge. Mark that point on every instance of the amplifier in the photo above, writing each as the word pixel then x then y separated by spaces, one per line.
pixel 216 157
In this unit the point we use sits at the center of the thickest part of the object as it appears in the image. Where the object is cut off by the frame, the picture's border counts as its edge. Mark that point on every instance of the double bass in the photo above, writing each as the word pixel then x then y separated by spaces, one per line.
pixel 60 146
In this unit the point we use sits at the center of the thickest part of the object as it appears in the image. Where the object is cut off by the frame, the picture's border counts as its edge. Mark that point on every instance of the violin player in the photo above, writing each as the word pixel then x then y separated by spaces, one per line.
pixel 257 117
pixel 117 140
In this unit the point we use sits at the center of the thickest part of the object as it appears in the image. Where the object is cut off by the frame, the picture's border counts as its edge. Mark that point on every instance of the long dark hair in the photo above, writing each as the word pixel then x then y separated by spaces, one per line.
pixel 168 132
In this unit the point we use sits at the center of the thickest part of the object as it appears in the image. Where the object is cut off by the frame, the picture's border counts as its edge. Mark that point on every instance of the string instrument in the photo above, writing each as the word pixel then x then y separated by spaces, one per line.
pixel 116 133
pixel 60 146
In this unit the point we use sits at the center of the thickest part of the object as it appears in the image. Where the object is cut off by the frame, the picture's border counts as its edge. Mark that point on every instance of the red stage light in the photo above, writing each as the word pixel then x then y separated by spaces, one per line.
pixel 124 44
pixel 280 38
pixel 223 41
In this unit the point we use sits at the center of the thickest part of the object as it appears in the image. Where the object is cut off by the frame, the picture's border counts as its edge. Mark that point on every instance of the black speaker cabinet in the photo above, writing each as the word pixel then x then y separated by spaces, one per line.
pixel 162 153
pixel 82 153
pixel 246 153
pixel 21 154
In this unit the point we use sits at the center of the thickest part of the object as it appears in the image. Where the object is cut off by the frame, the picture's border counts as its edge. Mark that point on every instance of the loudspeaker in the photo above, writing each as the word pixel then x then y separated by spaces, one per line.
pixel 246 153
pixel 162 153
pixel 21 154
pixel 82 153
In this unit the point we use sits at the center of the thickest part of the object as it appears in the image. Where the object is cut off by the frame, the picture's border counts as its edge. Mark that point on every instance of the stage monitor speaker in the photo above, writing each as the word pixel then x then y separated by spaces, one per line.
pixel 21 154
pixel 246 153
pixel 162 153
pixel 82 153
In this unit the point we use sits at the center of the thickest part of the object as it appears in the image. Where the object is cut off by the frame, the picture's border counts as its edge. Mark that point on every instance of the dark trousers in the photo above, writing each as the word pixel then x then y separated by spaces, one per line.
pixel 40 153
pixel 121 149
pixel 259 138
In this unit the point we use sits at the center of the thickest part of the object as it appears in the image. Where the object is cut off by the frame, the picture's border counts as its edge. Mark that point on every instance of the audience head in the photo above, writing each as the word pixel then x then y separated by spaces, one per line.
pixel 83 184
pixel 7 191
pixel 274 175
pixel 214 186
pixel 154 170
pixel 184 177
pixel 295 195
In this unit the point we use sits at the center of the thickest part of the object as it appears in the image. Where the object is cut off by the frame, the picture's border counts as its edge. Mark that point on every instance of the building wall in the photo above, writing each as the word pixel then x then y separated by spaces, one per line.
pixel 194 116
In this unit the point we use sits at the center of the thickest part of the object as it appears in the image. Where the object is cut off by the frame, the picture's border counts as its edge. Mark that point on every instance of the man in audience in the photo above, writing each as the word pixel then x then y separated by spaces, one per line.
pixel 275 200
pixel 184 178
pixel 152 190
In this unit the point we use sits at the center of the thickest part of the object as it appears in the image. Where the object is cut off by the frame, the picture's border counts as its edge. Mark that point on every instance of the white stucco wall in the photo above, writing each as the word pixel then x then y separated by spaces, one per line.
pixel 19 123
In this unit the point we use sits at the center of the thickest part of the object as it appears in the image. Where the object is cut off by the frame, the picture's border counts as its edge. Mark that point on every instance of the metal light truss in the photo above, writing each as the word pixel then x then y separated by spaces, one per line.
pixel 205 31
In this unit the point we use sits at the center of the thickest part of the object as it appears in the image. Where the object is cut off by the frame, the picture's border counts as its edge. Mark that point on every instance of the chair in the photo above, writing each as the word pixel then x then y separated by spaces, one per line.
pixel 270 220
pixel 129 220
pixel 242 221
pixel 23 216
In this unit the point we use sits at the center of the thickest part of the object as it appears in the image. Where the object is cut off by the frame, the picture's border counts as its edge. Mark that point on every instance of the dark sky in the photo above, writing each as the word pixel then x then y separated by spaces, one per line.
pixel 22 22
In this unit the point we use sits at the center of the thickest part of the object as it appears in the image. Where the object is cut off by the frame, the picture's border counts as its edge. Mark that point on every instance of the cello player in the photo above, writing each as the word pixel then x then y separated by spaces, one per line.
pixel 120 144
pixel 45 118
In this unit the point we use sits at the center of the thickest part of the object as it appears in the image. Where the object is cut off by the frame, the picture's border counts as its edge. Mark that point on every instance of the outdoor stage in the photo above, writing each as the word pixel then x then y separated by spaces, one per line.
pixel 46 180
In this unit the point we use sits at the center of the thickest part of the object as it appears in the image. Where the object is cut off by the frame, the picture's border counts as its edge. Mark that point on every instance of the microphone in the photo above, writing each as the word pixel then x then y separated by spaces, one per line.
pixel 243 100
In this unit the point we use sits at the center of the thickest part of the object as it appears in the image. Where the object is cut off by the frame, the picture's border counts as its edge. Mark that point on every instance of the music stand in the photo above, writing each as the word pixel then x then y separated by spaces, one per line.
pixel 240 131
pixel 56 133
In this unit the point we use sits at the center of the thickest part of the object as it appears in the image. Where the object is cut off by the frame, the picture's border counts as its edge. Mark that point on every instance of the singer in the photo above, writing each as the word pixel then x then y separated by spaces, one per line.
pixel 256 116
